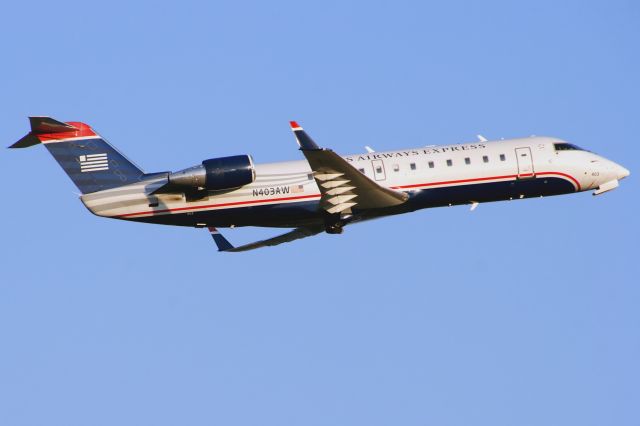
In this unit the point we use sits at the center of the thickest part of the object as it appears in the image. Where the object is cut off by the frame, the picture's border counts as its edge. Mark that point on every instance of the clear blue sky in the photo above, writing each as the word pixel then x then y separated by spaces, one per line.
pixel 520 313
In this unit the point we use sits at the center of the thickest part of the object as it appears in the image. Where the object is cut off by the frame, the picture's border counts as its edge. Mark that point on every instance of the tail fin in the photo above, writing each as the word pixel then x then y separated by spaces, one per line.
pixel 90 161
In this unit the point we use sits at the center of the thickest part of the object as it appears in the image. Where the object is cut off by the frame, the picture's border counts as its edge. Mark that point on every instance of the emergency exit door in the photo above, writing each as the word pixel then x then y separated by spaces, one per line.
pixel 378 170
pixel 525 163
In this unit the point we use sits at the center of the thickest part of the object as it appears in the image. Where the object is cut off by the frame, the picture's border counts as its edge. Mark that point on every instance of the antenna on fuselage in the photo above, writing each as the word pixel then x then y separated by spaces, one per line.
pixel 482 138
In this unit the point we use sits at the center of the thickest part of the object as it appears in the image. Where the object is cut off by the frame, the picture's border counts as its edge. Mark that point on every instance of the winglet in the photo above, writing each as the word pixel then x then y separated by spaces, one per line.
pixel 221 241
pixel 304 140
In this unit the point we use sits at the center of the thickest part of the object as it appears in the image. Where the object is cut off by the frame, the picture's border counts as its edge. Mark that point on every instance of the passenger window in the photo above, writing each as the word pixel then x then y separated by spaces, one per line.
pixel 467 160
pixel 502 157
pixel 413 166
pixel 485 158
pixel 378 169
pixel 361 171
pixel 449 163
pixel 396 167
pixel 431 164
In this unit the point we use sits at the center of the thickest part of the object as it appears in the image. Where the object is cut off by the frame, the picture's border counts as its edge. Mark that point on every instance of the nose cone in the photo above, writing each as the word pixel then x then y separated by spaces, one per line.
pixel 622 172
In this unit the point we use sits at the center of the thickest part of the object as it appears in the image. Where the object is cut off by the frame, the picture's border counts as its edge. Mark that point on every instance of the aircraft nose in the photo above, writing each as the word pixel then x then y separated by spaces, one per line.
pixel 622 172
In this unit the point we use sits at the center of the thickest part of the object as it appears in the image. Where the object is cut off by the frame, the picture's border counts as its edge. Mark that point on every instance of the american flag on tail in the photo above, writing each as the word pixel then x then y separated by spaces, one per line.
pixel 93 162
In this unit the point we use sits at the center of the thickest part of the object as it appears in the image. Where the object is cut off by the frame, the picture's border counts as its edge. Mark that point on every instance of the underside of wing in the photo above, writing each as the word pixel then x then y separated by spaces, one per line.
pixel 343 186
pixel 296 234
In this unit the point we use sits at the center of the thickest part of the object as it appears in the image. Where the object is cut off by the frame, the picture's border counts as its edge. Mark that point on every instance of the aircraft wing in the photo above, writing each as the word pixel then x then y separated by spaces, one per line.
pixel 343 186
pixel 298 233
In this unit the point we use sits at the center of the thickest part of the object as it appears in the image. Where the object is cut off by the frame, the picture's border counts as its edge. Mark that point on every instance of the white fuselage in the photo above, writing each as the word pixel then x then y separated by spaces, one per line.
pixel 286 194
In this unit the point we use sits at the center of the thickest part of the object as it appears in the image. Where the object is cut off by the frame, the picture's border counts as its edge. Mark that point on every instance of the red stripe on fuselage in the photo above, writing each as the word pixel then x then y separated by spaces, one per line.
pixel 238 203
pixel 575 181
pixel 234 203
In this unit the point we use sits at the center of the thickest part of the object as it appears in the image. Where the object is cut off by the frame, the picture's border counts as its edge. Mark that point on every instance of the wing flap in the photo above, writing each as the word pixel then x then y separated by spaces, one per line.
pixel 343 186
pixel 339 208
pixel 335 176
pixel 339 190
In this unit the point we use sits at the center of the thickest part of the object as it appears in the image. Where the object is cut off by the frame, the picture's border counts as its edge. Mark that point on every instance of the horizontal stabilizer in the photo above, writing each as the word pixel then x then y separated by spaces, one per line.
pixel 49 125
pixel 41 126
pixel 29 140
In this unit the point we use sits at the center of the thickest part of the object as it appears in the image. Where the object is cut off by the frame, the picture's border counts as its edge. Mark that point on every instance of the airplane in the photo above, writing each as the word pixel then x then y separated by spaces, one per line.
pixel 323 192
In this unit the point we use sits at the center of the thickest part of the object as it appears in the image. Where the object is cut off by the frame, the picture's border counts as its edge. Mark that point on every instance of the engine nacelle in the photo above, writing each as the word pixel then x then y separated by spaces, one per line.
pixel 216 174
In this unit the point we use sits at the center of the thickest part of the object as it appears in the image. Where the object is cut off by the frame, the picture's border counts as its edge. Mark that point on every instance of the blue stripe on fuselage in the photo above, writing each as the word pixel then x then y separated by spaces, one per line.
pixel 309 212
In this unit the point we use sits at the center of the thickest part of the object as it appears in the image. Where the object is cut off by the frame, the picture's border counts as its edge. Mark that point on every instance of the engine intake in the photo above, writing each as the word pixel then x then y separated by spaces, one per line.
pixel 216 174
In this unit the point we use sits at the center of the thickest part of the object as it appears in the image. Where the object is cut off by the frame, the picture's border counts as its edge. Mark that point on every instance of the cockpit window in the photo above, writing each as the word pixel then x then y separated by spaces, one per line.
pixel 566 147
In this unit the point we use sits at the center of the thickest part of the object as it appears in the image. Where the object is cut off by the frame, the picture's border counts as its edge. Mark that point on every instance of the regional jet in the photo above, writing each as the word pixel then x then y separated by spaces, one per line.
pixel 323 192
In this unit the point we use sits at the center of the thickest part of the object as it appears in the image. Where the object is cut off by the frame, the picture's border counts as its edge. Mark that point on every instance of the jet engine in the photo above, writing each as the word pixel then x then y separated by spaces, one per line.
pixel 216 174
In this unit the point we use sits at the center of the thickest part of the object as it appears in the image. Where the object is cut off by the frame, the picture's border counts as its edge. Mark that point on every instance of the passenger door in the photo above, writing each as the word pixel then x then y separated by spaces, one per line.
pixel 378 170
pixel 525 163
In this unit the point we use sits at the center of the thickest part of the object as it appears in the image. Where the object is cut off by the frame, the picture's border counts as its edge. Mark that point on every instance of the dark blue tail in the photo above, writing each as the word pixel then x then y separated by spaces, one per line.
pixel 90 161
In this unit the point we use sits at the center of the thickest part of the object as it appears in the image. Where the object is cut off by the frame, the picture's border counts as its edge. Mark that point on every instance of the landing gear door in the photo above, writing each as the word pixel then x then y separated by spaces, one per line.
pixel 525 163
pixel 378 170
